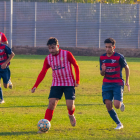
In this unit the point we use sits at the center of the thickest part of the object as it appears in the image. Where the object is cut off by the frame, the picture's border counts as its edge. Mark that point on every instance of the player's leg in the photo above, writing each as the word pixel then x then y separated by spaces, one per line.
pixel 52 105
pixel 1 96
pixel 6 77
pixel 107 94
pixel 118 101
pixel 111 111
pixel 118 97
pixel 55 95
pixel 69 92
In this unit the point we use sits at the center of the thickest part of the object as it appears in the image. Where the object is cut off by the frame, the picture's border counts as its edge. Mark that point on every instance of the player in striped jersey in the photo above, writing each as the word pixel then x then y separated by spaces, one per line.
pixel 4 40
pixel 111 65
pixel 6 55
pixel 63 79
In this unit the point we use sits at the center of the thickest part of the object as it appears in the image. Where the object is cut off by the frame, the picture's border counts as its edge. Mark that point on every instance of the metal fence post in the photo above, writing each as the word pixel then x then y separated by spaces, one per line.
pixel 138 26
pixel 35 24
pixel 100 25
pixel 76 24
pixel 11 23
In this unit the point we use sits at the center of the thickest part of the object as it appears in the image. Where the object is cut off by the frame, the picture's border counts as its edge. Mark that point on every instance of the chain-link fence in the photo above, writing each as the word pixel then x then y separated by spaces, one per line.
pixel 73 24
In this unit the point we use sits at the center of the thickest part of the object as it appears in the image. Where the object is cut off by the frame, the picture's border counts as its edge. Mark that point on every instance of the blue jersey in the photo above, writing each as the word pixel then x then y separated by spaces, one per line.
pixel 4 52
pixel 114 65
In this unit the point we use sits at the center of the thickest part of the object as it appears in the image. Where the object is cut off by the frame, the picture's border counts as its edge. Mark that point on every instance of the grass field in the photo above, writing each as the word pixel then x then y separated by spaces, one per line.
pixel 22 109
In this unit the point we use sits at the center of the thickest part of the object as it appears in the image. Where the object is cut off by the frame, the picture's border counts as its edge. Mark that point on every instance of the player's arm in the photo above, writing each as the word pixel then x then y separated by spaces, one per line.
pixel 41 75
pixel 102 72
pixel 127 72
pixel 102 68
pixel 123 64
pixel 11 55
pixel 73 61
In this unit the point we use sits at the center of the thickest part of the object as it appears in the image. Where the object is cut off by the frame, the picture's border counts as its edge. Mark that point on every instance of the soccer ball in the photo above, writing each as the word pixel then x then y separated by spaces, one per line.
pixel 44 125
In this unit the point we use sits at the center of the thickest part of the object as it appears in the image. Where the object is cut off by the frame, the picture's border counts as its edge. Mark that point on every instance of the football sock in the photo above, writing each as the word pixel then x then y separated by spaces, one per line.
pixel 114 116
pixel 71 112
pixel 1 95
pixel 48 114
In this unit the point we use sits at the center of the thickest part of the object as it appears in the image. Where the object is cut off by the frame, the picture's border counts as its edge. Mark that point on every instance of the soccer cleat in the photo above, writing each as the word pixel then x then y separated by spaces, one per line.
pixel 41 132
pixel 72 120
pixel 119 126
pixel 2 101
pixel 10 84
pixel 122 107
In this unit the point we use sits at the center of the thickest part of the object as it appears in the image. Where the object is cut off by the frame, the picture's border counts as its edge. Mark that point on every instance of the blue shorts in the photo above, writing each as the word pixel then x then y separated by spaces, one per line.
pixel 112 90
pixel 57 92
pixel 5 75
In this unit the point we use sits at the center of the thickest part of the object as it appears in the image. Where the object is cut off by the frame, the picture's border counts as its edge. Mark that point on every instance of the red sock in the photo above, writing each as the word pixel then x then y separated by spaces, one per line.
pixel 71 112
pixel 48 114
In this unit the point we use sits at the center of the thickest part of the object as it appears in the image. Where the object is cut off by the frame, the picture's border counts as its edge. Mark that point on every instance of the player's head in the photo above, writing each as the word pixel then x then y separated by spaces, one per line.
pixel 110 45
pixel 53 45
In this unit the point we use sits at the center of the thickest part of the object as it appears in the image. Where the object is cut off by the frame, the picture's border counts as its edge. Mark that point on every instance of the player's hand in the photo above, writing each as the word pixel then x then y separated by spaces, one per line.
pixel 103 67
pixel 128 86
pixel 33 90
pixel 4 65
pixel 76 85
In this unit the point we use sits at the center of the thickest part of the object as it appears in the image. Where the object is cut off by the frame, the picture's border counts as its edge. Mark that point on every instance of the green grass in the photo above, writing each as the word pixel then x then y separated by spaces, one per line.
pixel 23 109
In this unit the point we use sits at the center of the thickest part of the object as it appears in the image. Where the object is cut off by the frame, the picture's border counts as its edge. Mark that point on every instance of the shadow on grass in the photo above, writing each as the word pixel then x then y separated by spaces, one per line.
pixel 17 133
pixel 47 105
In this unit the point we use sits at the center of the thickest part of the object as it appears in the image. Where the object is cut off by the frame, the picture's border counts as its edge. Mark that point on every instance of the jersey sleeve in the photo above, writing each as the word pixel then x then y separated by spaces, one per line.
pixel 122 61
pixel 72 60
pixel 42 74
pixel 100 64
pixel 3 38
pixel 8 50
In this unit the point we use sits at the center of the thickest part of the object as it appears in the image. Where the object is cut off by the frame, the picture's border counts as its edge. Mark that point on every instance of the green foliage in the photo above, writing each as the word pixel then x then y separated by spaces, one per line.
pixel 23 109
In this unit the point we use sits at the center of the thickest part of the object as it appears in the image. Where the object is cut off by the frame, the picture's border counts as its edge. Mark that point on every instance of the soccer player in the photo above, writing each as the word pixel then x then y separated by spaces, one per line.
pixel 63 79
pixel 4 40
pixel 6 55
pixel 111 65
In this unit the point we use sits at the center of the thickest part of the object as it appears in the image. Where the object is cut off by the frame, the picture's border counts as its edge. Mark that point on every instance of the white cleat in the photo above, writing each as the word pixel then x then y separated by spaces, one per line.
pixel 72 120
pixel 2 101
pixel 122 107
pixel 119 126
pixel 10 84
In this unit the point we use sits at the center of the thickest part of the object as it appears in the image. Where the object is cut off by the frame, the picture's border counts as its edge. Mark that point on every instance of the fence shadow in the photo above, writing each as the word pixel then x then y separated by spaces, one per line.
pixel 17 133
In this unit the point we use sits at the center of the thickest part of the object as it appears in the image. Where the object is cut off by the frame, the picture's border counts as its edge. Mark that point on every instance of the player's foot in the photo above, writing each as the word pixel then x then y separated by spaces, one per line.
pixel 10 84
pixel 2 101
pixel 40 132
pixel 72 120
pixel 119 126
pixel 122 107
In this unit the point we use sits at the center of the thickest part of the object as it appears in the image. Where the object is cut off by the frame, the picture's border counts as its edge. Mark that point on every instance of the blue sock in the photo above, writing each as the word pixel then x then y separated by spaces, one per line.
pixel 1 95
pixel 114 116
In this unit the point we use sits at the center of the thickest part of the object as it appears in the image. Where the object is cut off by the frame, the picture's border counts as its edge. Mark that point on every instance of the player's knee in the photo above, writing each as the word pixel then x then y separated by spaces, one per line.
pixel 117 106
pixel 70 106
pixel 51 105
pixel 5 85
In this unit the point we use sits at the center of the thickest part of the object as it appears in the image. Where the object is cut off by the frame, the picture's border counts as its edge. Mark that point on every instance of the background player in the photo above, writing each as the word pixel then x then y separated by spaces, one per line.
pixel 111 65
pixel 4 40
pixel 4 67
pixel 63 79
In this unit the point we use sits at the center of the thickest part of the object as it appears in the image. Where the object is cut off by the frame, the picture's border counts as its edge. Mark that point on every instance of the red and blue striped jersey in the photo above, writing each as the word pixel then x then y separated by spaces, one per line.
pixel 4 52
pixel 114 65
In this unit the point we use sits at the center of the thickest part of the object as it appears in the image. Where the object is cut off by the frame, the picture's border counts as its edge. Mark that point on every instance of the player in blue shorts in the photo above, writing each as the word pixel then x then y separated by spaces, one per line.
pixel 111 65
pixel 6 55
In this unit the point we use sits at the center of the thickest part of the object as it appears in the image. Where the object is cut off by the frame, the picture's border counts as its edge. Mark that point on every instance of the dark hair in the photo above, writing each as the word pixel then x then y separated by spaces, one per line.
pixel 52 41
pixel 110 40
